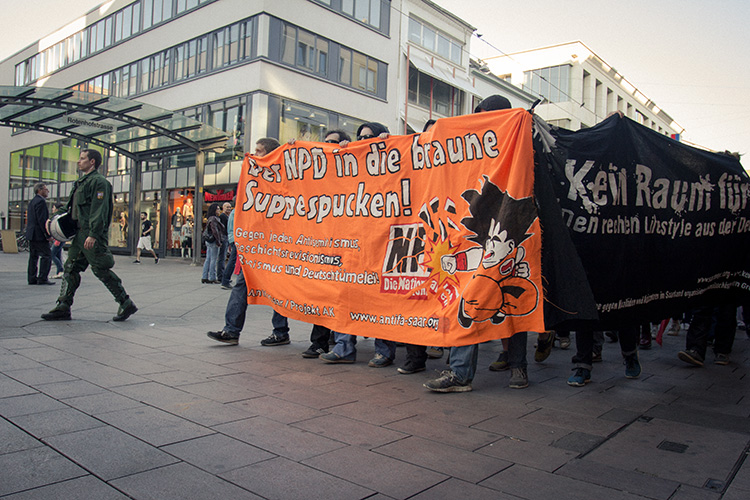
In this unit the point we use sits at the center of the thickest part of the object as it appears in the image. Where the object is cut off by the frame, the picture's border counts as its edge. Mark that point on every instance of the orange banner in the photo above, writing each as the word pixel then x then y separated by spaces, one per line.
pixel 429 239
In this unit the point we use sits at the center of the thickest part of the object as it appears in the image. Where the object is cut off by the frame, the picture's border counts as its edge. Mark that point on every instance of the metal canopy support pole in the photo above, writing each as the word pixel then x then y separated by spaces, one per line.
pixel 200 164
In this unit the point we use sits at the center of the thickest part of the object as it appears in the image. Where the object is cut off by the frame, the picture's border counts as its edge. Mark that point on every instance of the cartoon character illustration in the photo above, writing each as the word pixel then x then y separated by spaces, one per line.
pixel 500 286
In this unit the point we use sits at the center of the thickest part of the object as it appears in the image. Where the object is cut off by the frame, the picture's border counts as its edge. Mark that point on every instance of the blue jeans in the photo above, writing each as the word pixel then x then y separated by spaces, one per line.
pixel 221 258
pixel 280 325
pixel 57 257
pixel 346 346
pixel 209 267
pixel 229 269
pixel 464 358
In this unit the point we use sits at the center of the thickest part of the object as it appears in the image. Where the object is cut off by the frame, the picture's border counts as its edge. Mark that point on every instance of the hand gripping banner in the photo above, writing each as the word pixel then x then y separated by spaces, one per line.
pixel 430 238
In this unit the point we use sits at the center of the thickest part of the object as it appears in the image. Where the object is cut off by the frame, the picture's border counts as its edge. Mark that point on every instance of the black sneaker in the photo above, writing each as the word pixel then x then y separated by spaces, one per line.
pixel 274 339
pixel 632 366
pixel 544 346
pixel 57 315
pixel 691 356
pixel 125 312
pixel 410 367
pixel 519 379
pixel 156 260
pixel 224 337
pixel 136 262
pixel 313 352
pixel 447 382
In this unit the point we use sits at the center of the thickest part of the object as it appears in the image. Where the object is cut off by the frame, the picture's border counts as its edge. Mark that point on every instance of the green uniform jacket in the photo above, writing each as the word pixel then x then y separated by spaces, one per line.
pixel 92 205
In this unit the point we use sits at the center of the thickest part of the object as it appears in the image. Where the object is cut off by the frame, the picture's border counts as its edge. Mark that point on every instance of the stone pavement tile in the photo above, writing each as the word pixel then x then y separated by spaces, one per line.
pixel 620 415
pixel 445 432
pixel 314 398
pixel 579 442
pixel 304 378
pixel 455 488
pixel 522 429
pixel 742 478
pixel 156 394
pixel 279 438
pixel 39 375
pixel 260 367
pixel 97 373
pixel 534 484
pixel 634 482
pixel 381 394
pixel 109 453
pixel 35 467
pixel 73 388
pixel 10 388
pixel 43 353
pixel 433 405
pixel 685 492
pixel 386 475
pixel 206 412
pixel 178 482
pixel 527 453
pixel 350 431
pixel 223 354
pixel 102 402
pixel 734 493
pixel 572 421
pixel 276 409
pixel 53 423
pixel 217 453
pixel 27 404
pixel 175 378
pixel 14 439
pixel 17 343
pixel 15 361
pixel 197 367
pixel 81 488
pixel 448 460
pixel 284 479
pixel 710 453
pixel 700 417
pixel 371 413
pixel 154 426
pixel 220 391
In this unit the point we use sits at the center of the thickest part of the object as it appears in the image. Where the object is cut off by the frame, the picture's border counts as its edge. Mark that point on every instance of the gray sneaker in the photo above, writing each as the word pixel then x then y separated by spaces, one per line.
pixel 691 356
pixel 447 382
pixel 518 378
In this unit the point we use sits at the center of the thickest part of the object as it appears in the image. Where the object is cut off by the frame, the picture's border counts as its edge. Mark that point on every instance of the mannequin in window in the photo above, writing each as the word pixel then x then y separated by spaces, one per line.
pixel 186 237
pixel 187 209
pixel 177 222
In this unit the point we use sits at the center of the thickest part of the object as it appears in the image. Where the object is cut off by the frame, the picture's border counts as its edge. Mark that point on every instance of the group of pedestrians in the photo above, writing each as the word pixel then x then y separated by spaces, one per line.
pixel 218 238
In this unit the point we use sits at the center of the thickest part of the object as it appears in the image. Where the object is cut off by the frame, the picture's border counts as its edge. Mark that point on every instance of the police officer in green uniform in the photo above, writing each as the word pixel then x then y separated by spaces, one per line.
pixel 91 205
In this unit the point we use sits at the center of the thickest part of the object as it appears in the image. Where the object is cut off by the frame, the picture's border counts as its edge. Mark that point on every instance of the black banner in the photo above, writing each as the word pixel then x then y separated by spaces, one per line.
pixel 659 226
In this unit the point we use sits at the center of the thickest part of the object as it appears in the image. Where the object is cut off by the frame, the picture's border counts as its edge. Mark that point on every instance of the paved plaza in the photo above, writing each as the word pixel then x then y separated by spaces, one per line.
pixel 153 409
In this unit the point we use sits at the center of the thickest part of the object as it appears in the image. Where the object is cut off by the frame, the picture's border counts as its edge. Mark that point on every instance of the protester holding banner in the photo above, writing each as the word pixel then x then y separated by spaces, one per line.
pixel 463 359
pixel 345 350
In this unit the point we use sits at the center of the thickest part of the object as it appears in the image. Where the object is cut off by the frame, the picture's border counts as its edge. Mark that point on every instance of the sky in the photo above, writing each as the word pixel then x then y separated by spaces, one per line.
pixel 691 57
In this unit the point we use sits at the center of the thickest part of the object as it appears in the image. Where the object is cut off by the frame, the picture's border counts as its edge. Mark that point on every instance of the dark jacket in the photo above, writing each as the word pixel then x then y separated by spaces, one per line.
pixel 217 229
pixel 38 213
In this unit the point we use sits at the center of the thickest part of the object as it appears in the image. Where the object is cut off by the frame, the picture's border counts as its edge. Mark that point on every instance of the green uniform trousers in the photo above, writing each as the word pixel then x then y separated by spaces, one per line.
pixel 101 261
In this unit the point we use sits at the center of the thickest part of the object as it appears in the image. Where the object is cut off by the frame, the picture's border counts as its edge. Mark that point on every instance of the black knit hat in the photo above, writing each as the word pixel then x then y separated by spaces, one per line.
pixel 493 103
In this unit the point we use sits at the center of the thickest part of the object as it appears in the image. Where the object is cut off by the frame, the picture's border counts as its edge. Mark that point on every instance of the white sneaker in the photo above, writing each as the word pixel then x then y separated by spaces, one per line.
pixel 58 275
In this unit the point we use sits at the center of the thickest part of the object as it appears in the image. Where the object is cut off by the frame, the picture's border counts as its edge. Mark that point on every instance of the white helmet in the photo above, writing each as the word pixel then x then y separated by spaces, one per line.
pixel 62 227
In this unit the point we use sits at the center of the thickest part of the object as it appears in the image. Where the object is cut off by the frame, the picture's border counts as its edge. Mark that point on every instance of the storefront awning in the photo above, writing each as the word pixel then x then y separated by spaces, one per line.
pixel 135 129
pixel 442 74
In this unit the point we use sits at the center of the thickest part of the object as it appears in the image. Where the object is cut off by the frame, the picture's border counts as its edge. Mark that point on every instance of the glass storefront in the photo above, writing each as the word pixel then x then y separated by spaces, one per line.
pixel 120 226
pixel 151 204
pixel 181 218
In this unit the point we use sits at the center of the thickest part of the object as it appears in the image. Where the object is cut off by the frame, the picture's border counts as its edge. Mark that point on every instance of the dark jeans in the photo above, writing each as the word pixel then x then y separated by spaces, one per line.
pixel 416 355
pixel 229 269
pixel 234 316
pixel 39 251
pixel 628 337
pixel 221 258
pixel 463 360
pixel 319 337
pixel 724 329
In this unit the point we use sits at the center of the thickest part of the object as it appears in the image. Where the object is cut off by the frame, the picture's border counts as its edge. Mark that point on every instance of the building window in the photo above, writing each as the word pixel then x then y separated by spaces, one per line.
pixel 434 40
pixel 305 50
pixel 373 13
pixel 358 70
pixel 436 95
pixel 552 83
pixel 118 26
